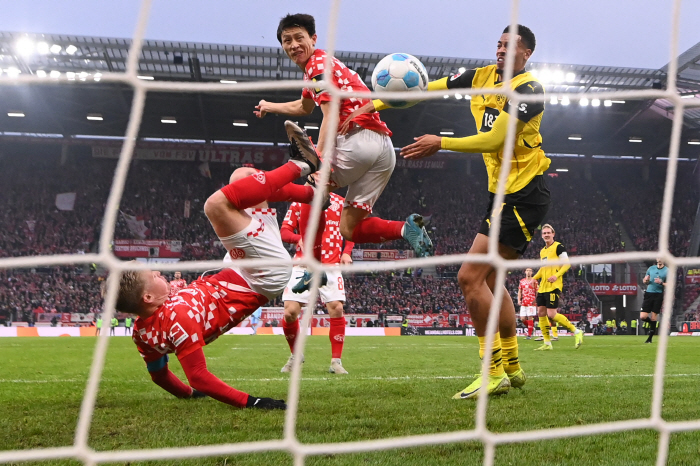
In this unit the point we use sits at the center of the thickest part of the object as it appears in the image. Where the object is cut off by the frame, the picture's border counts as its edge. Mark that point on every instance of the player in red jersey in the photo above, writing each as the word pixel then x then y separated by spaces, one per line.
pixel 210 306
pixel 527 293
pixel 328 249
pixel 177 284
pixel 364 157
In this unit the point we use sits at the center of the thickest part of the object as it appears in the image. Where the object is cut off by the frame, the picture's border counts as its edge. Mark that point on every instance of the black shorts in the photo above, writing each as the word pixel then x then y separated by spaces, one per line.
pixel 550 299
pixel 653 302
pixel 522 213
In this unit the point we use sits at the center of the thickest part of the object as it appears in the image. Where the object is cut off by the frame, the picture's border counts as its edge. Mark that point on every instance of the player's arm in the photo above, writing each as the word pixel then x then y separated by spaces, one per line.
pixel 346 256
pixel 561 254
pixel 290 225
pixel 463 80
pixel 519 296
pixel 165 379
pixel 491 141
pixel 458 81
pixel 195 367
pixel 301 107
pixel 538 275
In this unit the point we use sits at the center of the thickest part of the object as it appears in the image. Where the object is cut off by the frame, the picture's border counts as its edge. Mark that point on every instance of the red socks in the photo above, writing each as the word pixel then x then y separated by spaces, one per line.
pixel 293 193
pixel 290 332
pixel 530 327
pixel 376 230
pixel 257 188
pixel 337 336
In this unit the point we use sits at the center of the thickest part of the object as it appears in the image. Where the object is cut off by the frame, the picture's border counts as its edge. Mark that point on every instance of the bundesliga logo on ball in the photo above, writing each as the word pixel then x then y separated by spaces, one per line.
pixel 400 72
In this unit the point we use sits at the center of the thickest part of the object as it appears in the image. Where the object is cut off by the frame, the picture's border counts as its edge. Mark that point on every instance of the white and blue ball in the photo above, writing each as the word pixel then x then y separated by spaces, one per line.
pixel 400 72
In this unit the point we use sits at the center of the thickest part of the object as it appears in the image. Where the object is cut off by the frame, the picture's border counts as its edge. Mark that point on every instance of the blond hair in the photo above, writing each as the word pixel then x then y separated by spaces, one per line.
pixel 131 288
pixel 547 225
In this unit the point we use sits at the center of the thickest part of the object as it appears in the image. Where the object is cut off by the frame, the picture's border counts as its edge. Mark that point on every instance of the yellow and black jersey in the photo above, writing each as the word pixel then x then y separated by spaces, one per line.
pixel 529 159
pixel 551 253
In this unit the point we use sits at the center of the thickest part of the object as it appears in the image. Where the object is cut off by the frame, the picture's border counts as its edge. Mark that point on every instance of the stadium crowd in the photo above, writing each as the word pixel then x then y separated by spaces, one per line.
pixel 452 200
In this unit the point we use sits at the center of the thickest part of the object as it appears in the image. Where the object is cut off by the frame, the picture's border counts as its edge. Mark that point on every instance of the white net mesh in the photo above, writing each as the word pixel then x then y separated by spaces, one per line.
pixel 290 443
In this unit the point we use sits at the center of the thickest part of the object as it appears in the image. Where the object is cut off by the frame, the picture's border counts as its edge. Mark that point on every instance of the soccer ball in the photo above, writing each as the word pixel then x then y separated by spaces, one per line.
pixel 400 72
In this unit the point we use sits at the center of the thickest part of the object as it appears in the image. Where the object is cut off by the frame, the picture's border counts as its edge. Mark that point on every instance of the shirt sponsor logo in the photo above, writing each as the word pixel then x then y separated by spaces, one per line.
pixel 178 334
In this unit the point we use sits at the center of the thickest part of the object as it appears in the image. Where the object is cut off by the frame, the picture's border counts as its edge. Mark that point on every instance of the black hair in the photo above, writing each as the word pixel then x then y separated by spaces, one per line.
pixel 298 20
pixel 526 35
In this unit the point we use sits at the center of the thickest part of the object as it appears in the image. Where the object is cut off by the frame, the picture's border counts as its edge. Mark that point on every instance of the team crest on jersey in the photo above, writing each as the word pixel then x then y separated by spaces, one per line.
pixel 335 206
pixel 237 253
pixel 501 99
pixel 260 177
pixel 178 334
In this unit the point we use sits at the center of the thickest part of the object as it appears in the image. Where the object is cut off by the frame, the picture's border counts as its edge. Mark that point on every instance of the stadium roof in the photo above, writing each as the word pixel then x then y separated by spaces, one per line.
pixel 62 107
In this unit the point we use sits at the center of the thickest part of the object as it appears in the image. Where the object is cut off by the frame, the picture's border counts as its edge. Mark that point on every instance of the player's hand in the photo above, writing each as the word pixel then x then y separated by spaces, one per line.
pixel 645 280
pixel 552 279
pixel 197 394
pixel 300 243
pixel 265 403
pixel 345 259
pixel 425 146
pixel 262 108
pixel 345 127
pixel 658 280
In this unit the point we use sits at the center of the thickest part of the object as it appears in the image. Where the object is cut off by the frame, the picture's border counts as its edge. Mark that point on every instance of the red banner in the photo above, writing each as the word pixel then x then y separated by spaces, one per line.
pixel 614 289
pixel 147 248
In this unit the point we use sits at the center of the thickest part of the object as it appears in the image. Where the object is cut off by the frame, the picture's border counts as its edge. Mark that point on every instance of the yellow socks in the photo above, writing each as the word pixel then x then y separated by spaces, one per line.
pixel 564 322
pixel 544 326
pixel 509 346
pixel 496 354
pixel 555 330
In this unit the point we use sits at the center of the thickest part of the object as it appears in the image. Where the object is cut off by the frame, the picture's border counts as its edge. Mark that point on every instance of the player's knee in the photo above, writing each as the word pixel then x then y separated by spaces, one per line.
pixel 216 205
pixel 291 311
pixel 241 172
pixel 468 278
pixel 335 309
pixel 346 231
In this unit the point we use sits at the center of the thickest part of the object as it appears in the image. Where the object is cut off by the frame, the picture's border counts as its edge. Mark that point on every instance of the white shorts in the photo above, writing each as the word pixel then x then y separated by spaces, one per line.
pixel 333 291
pixel 528 311
pixel 364 161
pixel 260 240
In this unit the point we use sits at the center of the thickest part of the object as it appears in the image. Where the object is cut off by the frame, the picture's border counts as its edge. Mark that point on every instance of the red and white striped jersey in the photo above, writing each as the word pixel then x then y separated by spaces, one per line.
pixel 329 241
pixel 347 80
pixel 196 315
pixel 177 285
pixel 528 291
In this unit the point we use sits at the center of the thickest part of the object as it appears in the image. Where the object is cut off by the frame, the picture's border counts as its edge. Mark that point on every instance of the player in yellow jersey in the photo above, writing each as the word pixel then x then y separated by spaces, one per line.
pixel 527 196
pixel 551 285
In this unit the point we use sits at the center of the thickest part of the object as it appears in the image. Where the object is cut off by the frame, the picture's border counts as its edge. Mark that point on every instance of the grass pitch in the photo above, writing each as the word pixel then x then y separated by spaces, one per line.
pixel 396 386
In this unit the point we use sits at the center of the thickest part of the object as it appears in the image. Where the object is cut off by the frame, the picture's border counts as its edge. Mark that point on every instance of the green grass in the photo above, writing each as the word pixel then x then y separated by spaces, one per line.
pixel 397 386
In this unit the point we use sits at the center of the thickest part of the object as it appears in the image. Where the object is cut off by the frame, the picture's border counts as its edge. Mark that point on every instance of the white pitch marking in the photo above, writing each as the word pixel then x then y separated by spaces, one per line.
pixel 322 379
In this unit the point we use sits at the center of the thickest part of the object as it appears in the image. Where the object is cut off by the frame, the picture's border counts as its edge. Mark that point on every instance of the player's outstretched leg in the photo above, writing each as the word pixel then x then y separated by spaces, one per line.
pixel 300 146
pixel 415 233
pixel 304 283
pixel 377 230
